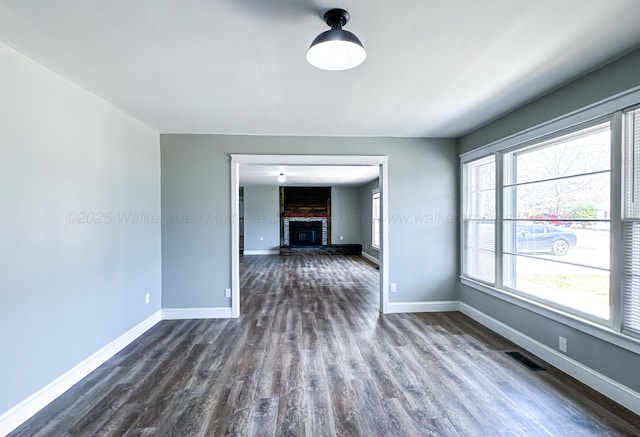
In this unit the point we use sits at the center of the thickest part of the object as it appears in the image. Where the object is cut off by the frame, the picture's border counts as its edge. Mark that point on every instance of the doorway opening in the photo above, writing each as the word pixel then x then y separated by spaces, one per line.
pixel 307 160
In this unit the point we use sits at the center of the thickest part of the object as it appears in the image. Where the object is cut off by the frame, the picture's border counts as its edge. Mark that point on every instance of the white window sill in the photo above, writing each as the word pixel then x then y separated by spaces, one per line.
pixel 599 331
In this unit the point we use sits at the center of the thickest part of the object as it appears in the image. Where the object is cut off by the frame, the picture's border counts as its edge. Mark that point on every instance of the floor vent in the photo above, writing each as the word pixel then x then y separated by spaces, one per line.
pixel 531 365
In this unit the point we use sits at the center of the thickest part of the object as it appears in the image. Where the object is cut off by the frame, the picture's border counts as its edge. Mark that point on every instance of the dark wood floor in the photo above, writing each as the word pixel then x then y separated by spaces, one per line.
pixel 312 356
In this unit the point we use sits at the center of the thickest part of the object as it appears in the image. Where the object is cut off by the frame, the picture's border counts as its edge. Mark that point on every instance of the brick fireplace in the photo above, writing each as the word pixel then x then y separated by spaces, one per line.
pixel 305 231
pixel 305 216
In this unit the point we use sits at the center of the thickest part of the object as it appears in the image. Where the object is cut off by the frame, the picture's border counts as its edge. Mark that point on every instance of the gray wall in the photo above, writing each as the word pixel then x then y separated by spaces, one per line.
pixel 76 175
pixel 612 79
pixel 345 215
pixel 612 361
pixel 196 262
pixel 365 206
pixel 262 218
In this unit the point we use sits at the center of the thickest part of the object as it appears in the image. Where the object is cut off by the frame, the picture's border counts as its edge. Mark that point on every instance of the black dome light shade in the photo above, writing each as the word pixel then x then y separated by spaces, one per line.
pixel 336 49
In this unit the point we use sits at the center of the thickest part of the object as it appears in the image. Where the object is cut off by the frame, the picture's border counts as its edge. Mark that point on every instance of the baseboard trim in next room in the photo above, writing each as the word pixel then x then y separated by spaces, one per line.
pixel 262 252
pixel 196 313
pixel 371 258
pixel 423 307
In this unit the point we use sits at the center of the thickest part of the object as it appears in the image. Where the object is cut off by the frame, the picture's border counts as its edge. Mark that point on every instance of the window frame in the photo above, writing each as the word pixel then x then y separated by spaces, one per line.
pixel 613 109
pixel 375 218
pixel 540 142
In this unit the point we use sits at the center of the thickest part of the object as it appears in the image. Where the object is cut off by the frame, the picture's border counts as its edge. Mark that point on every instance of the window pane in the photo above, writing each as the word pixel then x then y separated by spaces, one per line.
pixel 576 245
pixel 376 233
pixel 631 227
pixel 556 228
pixel 479 213
pixel 581 152
pixel 578 200
pixel 580 288
pixel 632 166
pixel 481 186
pixel 479 250
pixel 631 277
pixel 375 212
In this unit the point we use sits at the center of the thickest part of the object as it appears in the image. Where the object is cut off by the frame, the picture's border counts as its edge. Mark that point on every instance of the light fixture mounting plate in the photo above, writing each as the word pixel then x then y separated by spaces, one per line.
pixel 336 18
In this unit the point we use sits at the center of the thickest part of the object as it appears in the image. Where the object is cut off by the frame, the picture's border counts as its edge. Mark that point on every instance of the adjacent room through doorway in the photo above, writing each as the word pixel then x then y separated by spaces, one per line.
pixel 311 223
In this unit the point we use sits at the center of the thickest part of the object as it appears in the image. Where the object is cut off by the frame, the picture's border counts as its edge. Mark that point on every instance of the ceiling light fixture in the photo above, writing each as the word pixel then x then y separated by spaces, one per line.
pixel 336 49
pixel 282 178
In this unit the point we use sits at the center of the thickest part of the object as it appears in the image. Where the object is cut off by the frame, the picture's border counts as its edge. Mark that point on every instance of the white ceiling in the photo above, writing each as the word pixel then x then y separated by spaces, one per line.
pixel 300 175
pixel 435 68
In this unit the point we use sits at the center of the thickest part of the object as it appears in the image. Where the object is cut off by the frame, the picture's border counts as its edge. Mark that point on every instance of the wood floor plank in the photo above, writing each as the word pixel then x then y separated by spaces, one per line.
pixel 264 418
pixel 311 356
pixel 320 416
pixel 291 412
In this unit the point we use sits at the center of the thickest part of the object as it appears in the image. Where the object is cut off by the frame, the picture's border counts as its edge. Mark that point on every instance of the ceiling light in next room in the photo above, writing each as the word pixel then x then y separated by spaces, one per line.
pixel 336 49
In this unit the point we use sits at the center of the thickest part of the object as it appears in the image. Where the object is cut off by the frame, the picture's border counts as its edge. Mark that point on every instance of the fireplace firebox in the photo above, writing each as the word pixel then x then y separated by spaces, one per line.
pixel 305 233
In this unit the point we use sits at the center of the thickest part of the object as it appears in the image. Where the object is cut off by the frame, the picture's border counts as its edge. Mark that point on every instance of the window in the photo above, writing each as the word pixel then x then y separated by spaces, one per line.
pixel 631 226
pixel 550 219
pixel 375 219
pixel 479 219
pixel 546 236
pixel 555 228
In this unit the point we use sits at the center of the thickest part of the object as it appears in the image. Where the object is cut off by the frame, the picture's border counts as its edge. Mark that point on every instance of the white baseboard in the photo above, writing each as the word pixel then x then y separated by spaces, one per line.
pixel 196 313
pixel 371 258
pixel 262 252
pixel 423 307
pixel 19 414
pixel 608 387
